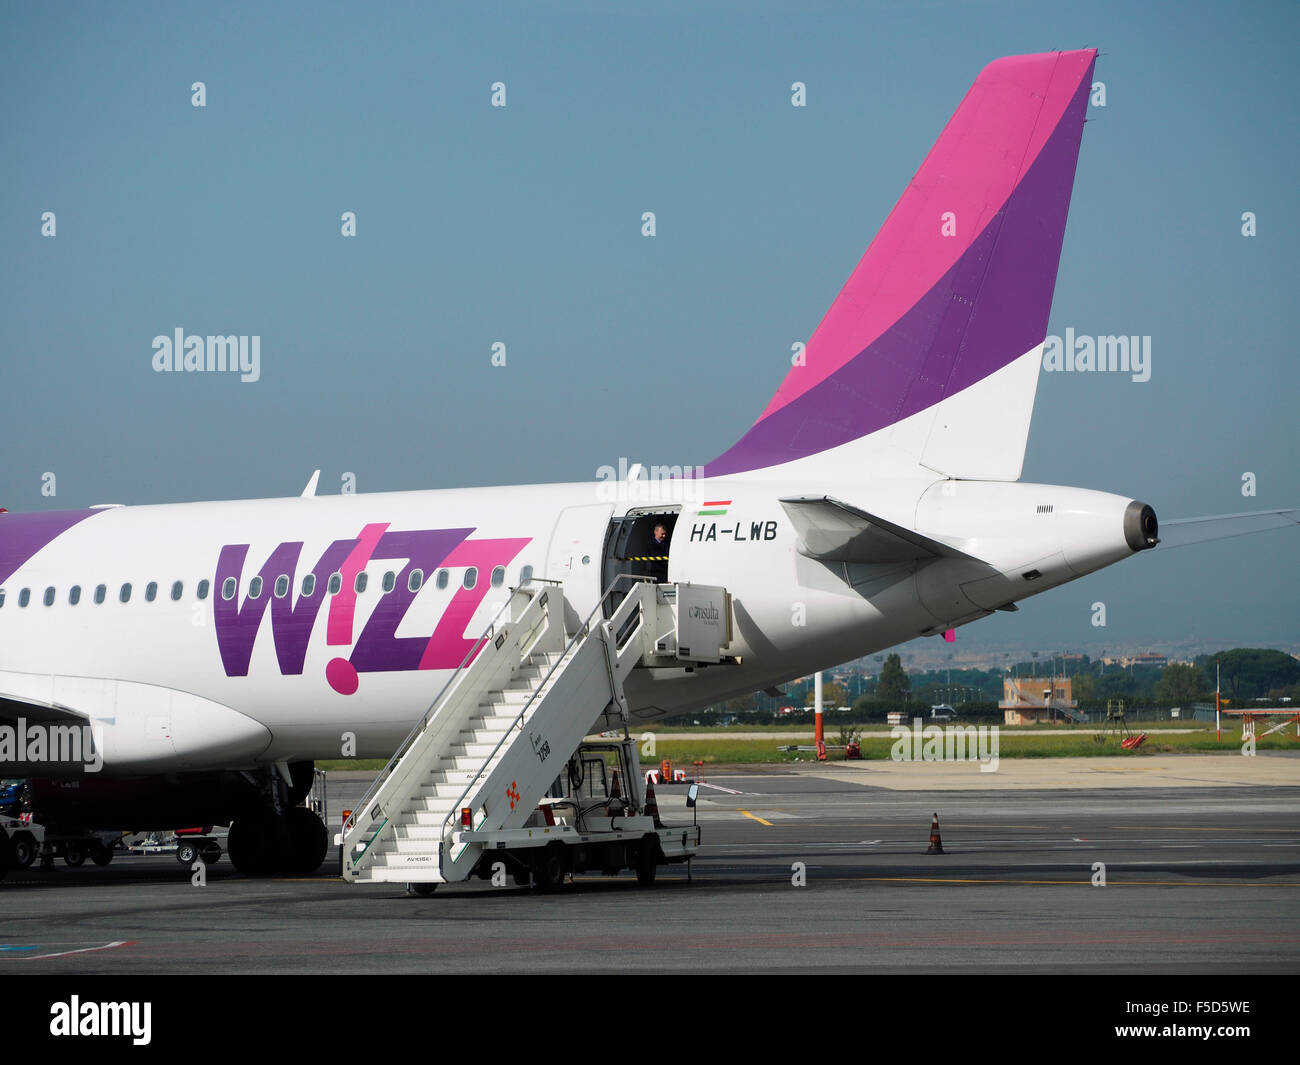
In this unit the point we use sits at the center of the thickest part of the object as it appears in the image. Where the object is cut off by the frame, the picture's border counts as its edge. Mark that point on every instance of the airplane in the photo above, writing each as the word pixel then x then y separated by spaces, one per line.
pixel 217 650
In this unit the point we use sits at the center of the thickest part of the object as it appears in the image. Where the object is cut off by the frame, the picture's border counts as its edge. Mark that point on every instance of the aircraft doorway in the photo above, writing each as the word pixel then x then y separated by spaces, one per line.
pixel 632 547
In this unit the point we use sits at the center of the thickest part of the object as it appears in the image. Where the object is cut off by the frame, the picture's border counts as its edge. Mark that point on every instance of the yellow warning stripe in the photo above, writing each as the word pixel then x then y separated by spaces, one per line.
pixel 752 817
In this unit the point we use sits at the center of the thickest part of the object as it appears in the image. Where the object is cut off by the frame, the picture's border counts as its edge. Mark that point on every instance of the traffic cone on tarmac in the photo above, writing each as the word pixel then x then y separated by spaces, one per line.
pixel 652 805
pixel 936 844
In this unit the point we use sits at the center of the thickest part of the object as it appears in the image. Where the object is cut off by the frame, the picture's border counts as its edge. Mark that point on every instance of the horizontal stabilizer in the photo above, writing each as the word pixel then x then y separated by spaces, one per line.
pixel 1184 531
pixel 832 531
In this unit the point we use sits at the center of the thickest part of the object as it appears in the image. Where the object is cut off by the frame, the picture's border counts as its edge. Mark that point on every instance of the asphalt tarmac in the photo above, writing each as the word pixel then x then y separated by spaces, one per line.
pixel 805 869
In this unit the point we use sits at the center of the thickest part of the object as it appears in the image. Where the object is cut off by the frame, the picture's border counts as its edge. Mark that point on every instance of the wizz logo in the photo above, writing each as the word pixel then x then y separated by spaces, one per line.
pixel 294 607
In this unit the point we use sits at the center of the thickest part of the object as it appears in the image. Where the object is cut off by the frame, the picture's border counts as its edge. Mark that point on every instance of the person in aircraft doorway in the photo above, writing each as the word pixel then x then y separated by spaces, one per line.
pixel 658 552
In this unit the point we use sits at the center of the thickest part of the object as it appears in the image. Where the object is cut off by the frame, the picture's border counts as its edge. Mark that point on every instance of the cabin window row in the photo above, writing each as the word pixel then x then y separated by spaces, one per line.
pixel 280 587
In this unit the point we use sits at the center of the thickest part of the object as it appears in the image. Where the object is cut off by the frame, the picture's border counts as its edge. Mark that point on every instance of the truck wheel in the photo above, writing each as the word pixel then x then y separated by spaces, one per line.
pixel 548 873
pixel 422 891
pixel 647 862
pixel 211 855
pixel 74 854
pixel 187 853
pixel 101 855
pixel 24 850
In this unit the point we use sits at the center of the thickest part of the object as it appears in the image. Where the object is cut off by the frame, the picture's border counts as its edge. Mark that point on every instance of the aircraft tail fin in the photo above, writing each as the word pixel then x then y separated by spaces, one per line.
pixel 930 354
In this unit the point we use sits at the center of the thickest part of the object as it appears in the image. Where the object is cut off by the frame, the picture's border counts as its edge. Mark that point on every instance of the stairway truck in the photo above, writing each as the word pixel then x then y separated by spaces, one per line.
pixel 593 820
pixel 479 787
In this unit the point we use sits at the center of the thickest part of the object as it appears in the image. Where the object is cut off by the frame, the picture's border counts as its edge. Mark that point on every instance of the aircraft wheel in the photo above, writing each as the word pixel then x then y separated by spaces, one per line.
pixel 308 841
pixel 187 853
pixel 211 855
pixel 421 890
pixel 258 843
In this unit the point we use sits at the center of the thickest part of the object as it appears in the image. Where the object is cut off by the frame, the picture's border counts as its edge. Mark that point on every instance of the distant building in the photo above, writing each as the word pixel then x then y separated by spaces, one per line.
pixel 1037 700
pixel 1147 658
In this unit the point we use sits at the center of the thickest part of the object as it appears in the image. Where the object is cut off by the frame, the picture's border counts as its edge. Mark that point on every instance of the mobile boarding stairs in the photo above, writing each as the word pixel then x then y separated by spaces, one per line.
pixel 467 782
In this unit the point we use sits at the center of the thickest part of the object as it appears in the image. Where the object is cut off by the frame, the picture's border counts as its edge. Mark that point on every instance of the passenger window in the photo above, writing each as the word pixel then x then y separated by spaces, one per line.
pixel 74 595
pixel 415 581
pixel 124 596
pixel 442 578
pixel 471 577
pixel 151 591
pixel 390 581
pixel 255 588
pixel 309 584
pixel 525 574
pixel 101 593
pixel 359 585
pixel 178 589
pixel 498 576
pixel 203 588
pixel 49 595
pixel 336 583
pixel 281 586
pixel 228 588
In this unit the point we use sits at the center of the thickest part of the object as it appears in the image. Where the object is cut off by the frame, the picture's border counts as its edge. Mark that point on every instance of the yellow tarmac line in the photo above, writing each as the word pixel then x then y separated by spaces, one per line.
pixel 758 819
pixel 1112 882
pixel 1184 828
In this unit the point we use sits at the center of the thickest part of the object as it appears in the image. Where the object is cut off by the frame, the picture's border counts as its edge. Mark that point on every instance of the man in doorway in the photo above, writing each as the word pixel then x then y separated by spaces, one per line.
pixel 657 567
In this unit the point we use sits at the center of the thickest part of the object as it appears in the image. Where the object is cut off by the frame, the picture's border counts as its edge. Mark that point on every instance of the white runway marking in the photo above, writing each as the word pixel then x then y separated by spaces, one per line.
pixel 83 950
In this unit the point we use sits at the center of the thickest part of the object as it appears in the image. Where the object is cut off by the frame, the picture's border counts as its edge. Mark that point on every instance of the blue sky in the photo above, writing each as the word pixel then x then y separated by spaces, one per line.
pixel 522 225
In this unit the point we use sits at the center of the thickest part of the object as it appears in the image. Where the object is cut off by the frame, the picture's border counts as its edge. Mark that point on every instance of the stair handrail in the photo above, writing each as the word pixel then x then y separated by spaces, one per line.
pixel 582 632
pixel 487 634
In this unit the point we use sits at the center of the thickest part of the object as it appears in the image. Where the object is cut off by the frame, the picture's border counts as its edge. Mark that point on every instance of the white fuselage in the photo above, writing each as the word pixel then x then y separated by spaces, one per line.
pixel 217 682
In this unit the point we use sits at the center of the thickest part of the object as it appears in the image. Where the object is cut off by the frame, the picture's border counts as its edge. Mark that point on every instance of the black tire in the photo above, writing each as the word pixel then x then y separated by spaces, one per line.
pixel 211 855
pixel 258 844
pixel 101 855
pixel 6 854
pixel 74 854
pixel 647 862
pixel 25 848
pixel 308 842
pixel 550 869
pixel 187 853
pixel 422 891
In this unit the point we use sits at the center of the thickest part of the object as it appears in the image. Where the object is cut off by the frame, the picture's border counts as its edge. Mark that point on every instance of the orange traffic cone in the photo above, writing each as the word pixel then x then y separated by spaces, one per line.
pixel 652 805
pixel 936 844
